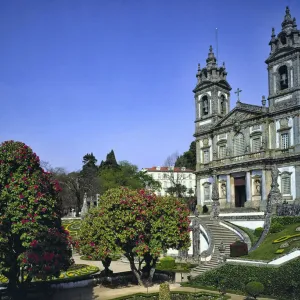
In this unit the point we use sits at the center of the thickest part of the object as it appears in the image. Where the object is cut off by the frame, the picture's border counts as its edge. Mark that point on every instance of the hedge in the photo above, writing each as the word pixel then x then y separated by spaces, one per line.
pixel 286 220
pixel 278 281
pixel 167 262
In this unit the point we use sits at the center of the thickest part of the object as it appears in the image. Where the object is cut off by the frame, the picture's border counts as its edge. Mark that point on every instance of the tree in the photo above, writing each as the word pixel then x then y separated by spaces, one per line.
pixel 138 224
pixel 32 241
pixel 188 158
pixel 177 190
pixel 148 182
pixel 110 162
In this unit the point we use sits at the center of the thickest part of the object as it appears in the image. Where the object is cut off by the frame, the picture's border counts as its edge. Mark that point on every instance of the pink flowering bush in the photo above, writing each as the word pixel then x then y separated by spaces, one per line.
pixel 32 240
pixel 137 224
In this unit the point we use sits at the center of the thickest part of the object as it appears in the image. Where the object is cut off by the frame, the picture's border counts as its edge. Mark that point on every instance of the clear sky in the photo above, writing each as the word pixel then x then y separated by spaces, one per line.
pixel 81 76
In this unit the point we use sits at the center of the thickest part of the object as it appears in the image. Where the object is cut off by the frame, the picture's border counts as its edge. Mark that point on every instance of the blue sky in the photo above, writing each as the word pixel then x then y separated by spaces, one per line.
pixel 94 75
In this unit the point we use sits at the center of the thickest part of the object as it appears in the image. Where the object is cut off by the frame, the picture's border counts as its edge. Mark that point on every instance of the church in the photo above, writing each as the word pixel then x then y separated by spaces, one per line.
pixel 241 145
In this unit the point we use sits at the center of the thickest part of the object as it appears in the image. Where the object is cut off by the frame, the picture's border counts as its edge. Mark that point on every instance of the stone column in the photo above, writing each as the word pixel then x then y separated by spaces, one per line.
pixel 198 192
pixel 228 190
pixel 297 177
pixel 248 187
pixel 263 186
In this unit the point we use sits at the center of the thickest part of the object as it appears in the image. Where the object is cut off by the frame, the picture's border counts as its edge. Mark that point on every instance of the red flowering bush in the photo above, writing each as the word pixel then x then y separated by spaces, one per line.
pixel 32 240
pixel 137 224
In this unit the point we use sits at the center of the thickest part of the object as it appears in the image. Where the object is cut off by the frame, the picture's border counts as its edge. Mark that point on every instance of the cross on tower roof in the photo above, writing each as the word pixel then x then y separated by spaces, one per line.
pixel 238 91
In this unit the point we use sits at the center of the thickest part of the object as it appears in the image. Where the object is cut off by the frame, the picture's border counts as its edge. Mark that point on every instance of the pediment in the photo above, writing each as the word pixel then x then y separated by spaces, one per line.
pixel 207 84
pixel 237 115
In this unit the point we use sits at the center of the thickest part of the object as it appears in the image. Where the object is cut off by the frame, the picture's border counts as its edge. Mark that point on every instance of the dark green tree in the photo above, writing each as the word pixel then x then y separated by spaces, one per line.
pixel 188 158
pixel 110 162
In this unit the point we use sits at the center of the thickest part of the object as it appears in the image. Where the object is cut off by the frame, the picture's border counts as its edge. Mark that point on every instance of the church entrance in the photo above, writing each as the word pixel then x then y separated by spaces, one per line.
pixel 240 191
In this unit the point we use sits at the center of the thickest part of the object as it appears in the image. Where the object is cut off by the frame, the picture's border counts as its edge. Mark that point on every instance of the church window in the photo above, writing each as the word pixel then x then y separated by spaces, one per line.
pixel 205 106
pixel 256 144
pixel 283 77
pixel 285 143
pixel 223 105
pixel 206 192
pixel 239 145
pixel 222 151
pixel 205 156
pixel 286 184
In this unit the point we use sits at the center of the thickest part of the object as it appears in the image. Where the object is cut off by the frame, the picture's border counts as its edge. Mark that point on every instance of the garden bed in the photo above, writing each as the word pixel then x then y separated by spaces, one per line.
pixel 73 226
pixel 178 295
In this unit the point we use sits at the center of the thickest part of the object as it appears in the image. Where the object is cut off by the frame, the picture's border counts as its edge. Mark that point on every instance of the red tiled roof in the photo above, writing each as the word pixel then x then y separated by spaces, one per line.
pixel 166 169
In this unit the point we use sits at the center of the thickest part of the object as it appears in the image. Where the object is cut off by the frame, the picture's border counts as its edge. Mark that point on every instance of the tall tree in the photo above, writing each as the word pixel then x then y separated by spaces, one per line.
pixel 110 162
pixel 188 158
pixel 32 240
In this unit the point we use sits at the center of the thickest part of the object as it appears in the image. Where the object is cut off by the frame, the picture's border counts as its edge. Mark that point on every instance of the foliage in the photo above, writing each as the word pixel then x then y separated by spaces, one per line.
pixel 74 272
pixel 279 282
pixel 254 289
pixel 238 248
pixel 258 231
pixel 167 262
pixel 179 267
pixel 286 220
pixel 72 226
pixel 177 190
pixel 164 291
pixel 136 223
pixel 276 227
pixel 188 158
pixel 267 249
pixel 110 162
pixel 250 233
pixel 32 240
pixel 205 209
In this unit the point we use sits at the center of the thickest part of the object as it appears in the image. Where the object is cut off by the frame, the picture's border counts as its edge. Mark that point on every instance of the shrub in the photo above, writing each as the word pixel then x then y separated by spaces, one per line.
pixel 167 262
pixel 254 289
pixel 279 282
pixel 205 209
pixel 276 227
pixel 164 291
pixel 286 220
pixel 238 248
pixel 258 231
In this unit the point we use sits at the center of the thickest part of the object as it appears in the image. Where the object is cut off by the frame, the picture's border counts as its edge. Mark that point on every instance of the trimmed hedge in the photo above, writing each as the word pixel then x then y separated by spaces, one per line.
pixel 286 220
pixel 276 227
pixel 238 249
pixel 258 231
pixel 167 262
pixel 278 282
pixel 254 289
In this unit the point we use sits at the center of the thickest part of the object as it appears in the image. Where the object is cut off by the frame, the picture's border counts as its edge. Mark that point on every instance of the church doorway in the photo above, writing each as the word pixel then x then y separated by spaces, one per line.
pixel 240 191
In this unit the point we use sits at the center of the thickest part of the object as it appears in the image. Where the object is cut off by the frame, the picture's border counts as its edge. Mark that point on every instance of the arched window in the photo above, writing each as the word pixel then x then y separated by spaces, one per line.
pixel 239 145
pixel 205 106
pixel 283 39
pixel 283 75
pixel 223 105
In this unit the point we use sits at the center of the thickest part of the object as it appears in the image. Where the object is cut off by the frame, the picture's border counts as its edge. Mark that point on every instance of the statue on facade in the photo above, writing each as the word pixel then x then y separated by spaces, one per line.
pixel 224 190
pixel 205 106
pixel 196 234
pixel 257 187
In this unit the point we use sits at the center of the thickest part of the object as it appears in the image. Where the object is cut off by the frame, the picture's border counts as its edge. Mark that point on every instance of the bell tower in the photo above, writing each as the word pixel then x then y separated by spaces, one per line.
pixel 212 94
pixel 284 65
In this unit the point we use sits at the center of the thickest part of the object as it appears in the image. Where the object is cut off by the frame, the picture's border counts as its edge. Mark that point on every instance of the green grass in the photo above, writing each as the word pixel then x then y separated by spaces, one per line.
pixel 179 267
pixel 266 251
pixel 250 232
pixel 73 226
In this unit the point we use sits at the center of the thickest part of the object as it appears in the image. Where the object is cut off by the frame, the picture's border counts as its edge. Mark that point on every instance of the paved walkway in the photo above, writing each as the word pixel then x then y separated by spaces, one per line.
pixel 105 293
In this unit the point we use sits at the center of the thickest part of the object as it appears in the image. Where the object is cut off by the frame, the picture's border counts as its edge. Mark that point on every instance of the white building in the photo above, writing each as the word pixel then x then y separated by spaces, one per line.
pixel 170 176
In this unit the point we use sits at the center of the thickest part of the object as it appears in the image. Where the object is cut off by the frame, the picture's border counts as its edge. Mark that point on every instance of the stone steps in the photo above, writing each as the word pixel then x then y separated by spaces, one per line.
pixel 220 234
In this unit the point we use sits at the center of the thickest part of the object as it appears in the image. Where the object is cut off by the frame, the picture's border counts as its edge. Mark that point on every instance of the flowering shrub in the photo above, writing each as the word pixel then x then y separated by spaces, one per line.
pixel 137 224
pixel 32 240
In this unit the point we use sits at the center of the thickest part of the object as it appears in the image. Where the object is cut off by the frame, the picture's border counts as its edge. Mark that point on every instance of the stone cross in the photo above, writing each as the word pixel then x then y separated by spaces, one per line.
pixel 238 91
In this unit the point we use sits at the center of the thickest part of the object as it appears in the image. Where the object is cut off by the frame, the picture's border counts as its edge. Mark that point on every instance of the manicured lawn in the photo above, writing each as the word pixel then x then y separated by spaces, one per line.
pixel 73 226
pixel 266 251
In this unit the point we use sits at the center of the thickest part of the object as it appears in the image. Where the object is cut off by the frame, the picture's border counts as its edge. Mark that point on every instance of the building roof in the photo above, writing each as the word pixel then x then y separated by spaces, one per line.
pixel 167 169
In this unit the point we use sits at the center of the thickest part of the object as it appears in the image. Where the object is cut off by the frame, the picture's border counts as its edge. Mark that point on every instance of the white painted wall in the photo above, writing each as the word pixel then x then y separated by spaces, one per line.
pixel 249 224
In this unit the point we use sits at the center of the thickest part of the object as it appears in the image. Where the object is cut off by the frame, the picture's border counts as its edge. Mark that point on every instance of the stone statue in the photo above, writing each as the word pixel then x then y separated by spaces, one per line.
pixel 274 175
pixel 196 234
pixel 257 187
pixel 223 189
pixel 84 209
pixel 205 106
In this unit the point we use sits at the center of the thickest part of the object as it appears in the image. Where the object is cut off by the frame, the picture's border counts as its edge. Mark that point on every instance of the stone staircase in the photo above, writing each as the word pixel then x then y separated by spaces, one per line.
pixel 220 234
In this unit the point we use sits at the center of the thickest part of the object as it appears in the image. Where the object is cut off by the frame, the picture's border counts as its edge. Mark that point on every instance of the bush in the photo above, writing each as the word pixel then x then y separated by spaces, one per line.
pixel 276 227
pixel 205 209
pixel 167 262
pixel 279 282
pixel 164 291
pixel 254 289
pixel 258 231
pixel 286 220
pixel 238 248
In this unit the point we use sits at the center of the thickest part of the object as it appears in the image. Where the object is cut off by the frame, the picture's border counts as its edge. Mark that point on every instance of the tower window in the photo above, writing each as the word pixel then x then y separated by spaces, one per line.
pixel 223 105
pixel 205 107
pixel 283 40
pixel 283 74
pixel 206 156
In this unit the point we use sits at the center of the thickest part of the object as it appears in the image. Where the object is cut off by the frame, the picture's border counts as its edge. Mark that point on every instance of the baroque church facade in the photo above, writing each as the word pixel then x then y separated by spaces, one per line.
pixel 240 146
